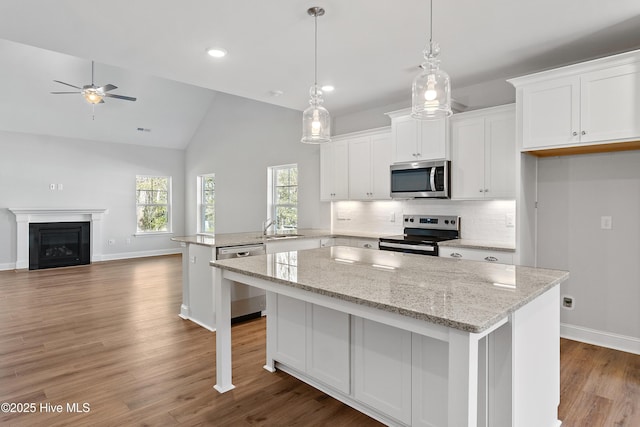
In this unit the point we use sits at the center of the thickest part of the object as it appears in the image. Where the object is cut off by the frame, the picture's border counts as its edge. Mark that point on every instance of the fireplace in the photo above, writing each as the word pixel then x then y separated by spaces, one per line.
pixel 25 217
pixel 59 244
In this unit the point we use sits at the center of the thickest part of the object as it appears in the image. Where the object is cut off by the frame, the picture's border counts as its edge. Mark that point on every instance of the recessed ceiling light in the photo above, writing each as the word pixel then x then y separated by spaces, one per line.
pixel 217 52
pixel 327 88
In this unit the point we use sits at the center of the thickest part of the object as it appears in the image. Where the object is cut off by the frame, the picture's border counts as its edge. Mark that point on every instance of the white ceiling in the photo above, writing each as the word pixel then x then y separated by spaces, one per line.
pixel 369 50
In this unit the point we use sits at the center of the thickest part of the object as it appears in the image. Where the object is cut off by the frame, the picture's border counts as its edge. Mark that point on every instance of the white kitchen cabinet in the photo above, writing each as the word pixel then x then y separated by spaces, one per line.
pixel 483 154
pixel 382 368
pixel 430 387
pixel 418 140
pixel 290 332
pixel 593 102
pixel 501 257
pixel 334 171
pixel 314 340
pixel 369 160
pixel 329 347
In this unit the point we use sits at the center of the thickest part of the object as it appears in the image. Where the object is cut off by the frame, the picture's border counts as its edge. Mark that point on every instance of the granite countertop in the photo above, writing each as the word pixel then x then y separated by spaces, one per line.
pixel 466 295
pixel 478 244
pixel 255 237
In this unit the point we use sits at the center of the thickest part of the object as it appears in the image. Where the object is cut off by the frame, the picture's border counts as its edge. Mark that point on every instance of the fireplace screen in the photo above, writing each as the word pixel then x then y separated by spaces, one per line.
pixel 59 244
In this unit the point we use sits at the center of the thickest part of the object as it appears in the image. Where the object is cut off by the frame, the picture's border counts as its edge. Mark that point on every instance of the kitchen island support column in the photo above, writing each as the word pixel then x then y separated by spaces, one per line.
pixel 222 303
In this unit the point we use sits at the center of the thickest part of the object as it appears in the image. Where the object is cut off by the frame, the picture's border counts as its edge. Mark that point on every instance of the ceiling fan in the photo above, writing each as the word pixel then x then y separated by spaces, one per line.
pixel 94 94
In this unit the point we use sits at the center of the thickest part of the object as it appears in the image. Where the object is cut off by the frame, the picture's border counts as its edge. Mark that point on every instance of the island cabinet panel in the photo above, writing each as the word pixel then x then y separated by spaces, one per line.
pixel 290 332
pixel 430 381
pixel 328 347
pixel 382 368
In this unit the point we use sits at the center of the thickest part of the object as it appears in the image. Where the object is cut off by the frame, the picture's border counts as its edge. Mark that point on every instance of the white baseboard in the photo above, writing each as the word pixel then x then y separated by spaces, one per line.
pixel 8 266
pixel 601 338
pixel 140 254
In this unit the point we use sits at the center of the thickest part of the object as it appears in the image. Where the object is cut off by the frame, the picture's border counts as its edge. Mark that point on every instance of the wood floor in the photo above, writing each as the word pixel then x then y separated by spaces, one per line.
pixel 108 335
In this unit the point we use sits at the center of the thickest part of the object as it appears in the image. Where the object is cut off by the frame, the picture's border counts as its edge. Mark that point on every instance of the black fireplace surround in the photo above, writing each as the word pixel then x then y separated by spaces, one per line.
pixel 59 244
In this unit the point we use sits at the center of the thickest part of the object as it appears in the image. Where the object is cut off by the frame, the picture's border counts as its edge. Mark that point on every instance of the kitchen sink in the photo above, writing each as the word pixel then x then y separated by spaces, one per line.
pixel 279 236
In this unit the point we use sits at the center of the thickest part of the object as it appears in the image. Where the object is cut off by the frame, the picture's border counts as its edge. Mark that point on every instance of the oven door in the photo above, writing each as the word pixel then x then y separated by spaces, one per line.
pixel 420 180
pixel 408 247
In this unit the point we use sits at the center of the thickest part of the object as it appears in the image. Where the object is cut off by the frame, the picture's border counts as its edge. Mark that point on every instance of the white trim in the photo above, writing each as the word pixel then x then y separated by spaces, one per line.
pixel 152 233
pixel 8 266
pixel 140 254
pixel 600 338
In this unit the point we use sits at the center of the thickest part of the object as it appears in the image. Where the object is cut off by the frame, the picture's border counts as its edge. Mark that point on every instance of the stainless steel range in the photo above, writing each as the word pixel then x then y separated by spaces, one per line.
pixel 422 234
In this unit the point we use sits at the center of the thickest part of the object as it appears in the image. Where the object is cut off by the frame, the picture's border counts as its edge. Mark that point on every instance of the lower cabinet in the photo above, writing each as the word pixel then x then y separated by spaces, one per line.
pixel 382 368
pixel 314 340
pixel 395 376
pixel 500 257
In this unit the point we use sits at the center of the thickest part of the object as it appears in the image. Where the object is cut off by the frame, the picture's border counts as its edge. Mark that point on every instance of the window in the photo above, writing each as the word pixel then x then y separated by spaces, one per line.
pixel 153 204
pixel 206 207
pixel 283 206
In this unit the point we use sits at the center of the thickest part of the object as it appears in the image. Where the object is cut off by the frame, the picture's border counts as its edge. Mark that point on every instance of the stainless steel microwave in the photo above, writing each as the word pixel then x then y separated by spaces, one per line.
pixel 420 180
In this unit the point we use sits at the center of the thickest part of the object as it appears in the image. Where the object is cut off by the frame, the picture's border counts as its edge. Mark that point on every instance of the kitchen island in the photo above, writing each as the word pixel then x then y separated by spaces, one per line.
pixel 407 339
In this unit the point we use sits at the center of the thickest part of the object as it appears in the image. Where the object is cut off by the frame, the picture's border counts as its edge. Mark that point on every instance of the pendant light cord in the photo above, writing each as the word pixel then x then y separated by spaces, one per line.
pixel 430 26
pixel 315 77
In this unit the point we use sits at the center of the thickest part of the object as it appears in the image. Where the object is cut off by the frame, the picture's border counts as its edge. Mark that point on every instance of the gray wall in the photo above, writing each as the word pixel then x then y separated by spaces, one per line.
pixel 94 175
pixel 237 140
pixel 574 193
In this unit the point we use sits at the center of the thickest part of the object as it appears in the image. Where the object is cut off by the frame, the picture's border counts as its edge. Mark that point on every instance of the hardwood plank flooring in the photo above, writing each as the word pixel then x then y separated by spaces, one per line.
pixel 109 335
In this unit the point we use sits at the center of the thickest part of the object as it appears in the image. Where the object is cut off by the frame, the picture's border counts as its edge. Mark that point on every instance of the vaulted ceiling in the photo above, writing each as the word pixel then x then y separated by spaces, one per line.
pixel 369 50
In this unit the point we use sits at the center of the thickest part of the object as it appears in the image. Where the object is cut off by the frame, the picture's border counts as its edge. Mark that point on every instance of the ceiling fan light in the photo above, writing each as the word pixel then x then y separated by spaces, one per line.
pixel 92 96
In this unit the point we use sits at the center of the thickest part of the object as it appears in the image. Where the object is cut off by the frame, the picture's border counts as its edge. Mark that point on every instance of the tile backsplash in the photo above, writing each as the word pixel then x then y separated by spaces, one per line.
pixel 490 221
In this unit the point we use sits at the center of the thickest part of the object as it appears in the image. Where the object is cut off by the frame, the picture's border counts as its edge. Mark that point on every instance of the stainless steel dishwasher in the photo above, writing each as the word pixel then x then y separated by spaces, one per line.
pixel 247 302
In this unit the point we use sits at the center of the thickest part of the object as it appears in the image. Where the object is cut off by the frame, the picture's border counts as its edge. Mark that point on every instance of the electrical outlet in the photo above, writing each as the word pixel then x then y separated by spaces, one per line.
pixel 567 302
pixel 60 187
pixel 392 217
pixel 128 240
pixel 510 220
pixel 52 187
pixel 606 222
pixel 111 242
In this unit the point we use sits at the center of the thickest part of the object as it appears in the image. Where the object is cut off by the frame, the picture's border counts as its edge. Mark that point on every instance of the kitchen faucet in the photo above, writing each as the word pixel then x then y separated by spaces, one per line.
pixel 265 226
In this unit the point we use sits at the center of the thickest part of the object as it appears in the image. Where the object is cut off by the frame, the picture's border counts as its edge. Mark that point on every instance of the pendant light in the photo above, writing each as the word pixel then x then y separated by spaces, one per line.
pixel 316 123
pixel 431 90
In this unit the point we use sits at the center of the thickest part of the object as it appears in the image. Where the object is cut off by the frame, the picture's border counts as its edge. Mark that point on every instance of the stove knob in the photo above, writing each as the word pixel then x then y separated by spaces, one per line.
pixel 453 221
pixel 406 220
pixel 446 221
pixel 411 219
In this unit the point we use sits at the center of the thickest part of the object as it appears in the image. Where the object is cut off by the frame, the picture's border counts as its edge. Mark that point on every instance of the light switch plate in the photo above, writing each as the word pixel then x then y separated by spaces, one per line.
pixel 606 223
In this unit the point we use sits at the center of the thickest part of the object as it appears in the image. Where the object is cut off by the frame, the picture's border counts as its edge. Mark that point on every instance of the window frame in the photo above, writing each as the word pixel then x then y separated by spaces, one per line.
pixel 168 205
pixel 201 206
pixel 272 206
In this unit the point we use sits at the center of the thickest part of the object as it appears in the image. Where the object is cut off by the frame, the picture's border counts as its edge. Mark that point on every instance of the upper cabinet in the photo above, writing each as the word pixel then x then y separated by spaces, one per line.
pixel 334 171
pixel 483 154
pixel 356 166
pixel 417 139
pixel 369 160
pixel 593 103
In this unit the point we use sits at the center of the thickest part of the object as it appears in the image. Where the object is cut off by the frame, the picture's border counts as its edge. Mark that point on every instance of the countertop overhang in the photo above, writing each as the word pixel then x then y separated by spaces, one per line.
pixel 465 295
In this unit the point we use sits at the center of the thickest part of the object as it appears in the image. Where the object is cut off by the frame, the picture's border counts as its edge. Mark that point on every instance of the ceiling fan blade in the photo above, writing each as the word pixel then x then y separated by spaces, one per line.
pixel 126 98
pixel 58 81
pixel 60 93
pixel 107 88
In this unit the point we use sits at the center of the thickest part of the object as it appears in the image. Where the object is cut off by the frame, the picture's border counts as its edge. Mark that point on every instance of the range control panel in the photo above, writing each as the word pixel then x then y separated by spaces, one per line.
pixel 435 222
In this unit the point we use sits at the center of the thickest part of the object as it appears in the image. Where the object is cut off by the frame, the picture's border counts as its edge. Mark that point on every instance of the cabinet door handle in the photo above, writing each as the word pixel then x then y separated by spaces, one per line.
pixel 584 132
pixel 455 255
pixel 418 155
pixel 491 259
pixel 575 133
pixel 481 190
pixel 486 190
pixel 367 245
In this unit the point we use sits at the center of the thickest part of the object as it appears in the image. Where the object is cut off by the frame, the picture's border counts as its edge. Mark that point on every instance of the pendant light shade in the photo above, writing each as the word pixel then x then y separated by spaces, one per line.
pixel 316 122
pixel 431 90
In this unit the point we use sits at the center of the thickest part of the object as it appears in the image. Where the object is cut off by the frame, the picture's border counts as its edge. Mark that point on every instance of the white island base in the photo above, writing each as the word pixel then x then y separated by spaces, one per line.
pixel 404 371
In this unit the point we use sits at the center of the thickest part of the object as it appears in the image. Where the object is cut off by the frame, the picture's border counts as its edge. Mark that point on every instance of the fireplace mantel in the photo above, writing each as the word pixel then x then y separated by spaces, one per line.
pixel 24 216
